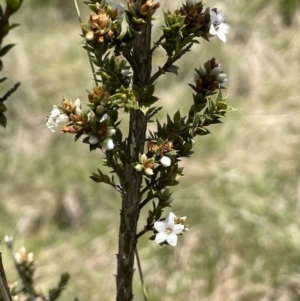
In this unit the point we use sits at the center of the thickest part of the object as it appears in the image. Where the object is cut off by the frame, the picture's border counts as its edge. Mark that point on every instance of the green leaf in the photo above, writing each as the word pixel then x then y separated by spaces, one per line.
pixel 150 90
pixel 85 27
pixel 2 107
pixel 101 178
pixel 219 96
pixel 12 26
pixel 173 69
pixel 177 117
pixel 137 92
pixel 151 100
pixel 222 105
pixel 3 120
pixel 5 49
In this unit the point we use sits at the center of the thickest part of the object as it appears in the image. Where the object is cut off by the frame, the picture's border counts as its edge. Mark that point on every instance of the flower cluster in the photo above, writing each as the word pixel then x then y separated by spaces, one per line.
pixel 195 15
pixel 26 264
pixel 104 23
pixel 68 112
pixel 147 165
pixel 209 77
pixel 169 228
pixel 141 12
pixel 98 130
pixel 163 149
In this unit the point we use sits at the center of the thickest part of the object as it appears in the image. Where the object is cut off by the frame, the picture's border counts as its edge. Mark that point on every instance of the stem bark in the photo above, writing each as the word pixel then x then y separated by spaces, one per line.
pixel 142 67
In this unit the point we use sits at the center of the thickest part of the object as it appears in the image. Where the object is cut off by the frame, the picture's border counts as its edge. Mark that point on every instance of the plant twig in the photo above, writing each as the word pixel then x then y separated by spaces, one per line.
pixel 169 63
pixel 10 92
pixel 156 44
pixel 4 290
pixel 26 285
pixel 90 58
pixel 145 230
pixel 141 273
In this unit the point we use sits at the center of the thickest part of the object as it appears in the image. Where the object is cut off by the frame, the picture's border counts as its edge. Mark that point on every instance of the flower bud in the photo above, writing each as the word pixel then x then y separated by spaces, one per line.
pixel 14 5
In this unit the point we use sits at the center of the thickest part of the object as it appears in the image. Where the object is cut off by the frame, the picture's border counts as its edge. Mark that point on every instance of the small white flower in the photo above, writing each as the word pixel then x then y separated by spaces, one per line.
pixel 107 144
pixel 94 139
pixel 190 3
pixel 9 240
pixel 90 36
pixel 125 72
pixel 165 161
pixel 218 26
pixel 168 230
pixel 77 105
pixel 149 171
pixel 55 117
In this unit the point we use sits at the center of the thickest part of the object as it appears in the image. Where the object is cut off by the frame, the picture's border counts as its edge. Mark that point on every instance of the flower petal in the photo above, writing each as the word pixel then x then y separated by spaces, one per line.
pixel 161 237
pixel 139 167
pixel 165 161
pixel 62 118
pixel 213 16
pixel 169 221
pixel 224 27
pixel 107 144
pixel 212 30
pixel 104 117
pixel 220 17
pixel 110 132
pixel 172 239
pixel 190 3
pixel 160 226
pixel 149 171
pixel 221 36
pixel 177 229
pixel 93 139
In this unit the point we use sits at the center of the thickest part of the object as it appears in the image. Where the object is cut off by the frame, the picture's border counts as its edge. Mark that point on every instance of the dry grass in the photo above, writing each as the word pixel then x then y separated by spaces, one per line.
pixel 241 192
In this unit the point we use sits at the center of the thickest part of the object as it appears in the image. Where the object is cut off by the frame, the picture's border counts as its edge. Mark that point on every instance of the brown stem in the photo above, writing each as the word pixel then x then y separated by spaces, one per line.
pixel 4 290
pixel 133 180
pixel 170 62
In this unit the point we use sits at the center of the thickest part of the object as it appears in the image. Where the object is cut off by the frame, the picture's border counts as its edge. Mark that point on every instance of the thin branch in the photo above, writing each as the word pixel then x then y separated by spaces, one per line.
pixel 26 285
pixel 90 59
pixel 145 202
pixel 145 230
pixel 10 92
pixel 156 44
pixel 169 63
pixel 4 290
pixel 140 273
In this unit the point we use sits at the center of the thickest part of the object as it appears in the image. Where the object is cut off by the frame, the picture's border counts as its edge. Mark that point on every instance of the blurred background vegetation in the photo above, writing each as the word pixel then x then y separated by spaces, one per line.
pixel 241 191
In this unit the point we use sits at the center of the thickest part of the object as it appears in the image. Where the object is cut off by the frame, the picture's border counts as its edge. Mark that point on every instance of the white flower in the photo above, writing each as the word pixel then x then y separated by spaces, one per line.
pixel 9 240
pixel 119 7
pixel 55 117
pixel 165 161
pixel 218 26
pixel 168 230
pixel 107 143
pixel 190 3
pixel 77 105
pixel 146 165
pixel 94 139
